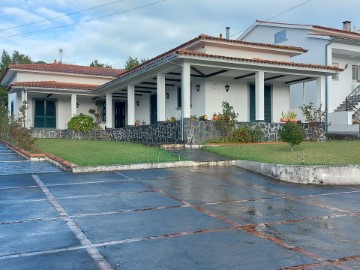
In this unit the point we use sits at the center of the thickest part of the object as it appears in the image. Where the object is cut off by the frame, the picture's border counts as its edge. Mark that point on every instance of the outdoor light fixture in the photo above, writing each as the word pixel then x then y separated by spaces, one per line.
pixel 197 87
pixel 167 95
pixel 137 103
pixel 227 87
pixel 77 104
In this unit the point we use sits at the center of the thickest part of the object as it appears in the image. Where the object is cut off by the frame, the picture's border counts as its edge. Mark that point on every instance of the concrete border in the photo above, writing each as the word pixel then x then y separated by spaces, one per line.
pixel 317 174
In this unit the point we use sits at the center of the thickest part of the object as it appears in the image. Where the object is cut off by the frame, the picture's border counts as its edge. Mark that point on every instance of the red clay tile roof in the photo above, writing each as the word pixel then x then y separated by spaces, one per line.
pixel 204 37
pixel 55 85
pixel 66 68
pixel 256 60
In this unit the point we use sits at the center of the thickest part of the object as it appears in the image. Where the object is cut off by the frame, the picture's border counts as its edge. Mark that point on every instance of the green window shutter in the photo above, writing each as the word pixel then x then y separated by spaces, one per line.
pixel 39 114
pixel 267 99
pixel 50 117
pixel 179 96
pixel 252 103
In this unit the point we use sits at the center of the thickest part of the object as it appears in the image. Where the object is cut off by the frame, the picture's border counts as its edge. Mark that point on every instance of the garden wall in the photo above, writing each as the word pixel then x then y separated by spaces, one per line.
pixel 195 132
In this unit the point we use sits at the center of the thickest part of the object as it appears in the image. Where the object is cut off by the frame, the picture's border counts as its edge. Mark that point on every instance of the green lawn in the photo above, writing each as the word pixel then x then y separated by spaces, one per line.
pixel 87 153
pixel 321 153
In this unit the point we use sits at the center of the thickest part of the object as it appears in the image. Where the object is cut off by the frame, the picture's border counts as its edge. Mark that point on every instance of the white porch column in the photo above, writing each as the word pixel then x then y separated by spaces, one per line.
pixel 186 90
pixel 24 100
pixel 109 110
pixel 73 104
pixel 320 92
pixel 160 78
pixel 259 96
pixel 131 105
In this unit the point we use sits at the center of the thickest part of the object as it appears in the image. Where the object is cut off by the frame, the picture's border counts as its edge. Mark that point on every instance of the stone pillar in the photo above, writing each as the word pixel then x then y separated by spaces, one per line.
pixel 161 97
pixel 131 105
pixel 109 110
pixel 73 104
pixel 320 92
pixel 259 96
pixel 186 90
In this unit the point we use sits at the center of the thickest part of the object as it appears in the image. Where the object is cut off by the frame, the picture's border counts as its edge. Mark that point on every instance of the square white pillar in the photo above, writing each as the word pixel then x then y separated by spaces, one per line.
pixel 320 92
pixel 186 90
pixel 160 79
pixel 131 105
pixel 109 110
pixel 259 96
pixel 73 105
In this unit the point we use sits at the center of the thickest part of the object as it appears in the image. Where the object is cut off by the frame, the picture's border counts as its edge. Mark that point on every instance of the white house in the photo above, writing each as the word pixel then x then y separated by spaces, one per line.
pixel 326 46
pixel 197 76
pixel 191 79
pixel 53 92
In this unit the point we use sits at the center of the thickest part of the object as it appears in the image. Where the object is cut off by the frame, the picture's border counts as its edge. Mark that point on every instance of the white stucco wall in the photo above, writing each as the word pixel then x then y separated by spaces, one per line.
pixel 241 53
pixel 142 112
pixel 294 37
pixel 280 100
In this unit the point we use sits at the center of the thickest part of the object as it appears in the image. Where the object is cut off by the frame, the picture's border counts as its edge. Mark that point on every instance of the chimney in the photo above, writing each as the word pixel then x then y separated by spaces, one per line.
pixel 347 26
pixel 228 32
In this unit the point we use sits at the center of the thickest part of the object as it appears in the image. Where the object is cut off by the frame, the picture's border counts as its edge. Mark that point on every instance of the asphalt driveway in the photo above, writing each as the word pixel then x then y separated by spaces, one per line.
pixel 188 218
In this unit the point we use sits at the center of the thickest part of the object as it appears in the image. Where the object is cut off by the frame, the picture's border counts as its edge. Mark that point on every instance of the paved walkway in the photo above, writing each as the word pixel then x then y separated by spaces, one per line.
pixel 12 163
pixel 188 218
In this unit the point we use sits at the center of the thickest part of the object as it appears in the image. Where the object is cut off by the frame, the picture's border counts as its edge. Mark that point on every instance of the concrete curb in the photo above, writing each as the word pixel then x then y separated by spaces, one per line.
pixel 317 174
pixel 142 166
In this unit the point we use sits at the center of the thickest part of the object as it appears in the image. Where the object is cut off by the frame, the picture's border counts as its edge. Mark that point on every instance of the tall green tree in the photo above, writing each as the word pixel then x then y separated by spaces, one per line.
pixel 133 62
pixel 5 61
pixel 96 63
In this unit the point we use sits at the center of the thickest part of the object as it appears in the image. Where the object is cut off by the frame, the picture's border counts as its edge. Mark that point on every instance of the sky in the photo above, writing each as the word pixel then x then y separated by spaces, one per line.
pixel 112 30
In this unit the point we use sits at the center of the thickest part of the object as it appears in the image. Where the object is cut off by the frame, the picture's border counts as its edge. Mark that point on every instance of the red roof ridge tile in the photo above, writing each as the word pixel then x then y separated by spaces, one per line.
pixel 257 60
pixel 55 84
pixel 70 68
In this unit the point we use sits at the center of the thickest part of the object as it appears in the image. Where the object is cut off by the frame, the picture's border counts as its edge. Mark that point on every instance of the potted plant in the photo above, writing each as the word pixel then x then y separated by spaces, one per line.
pixel 290 116
pixel 137 123
pixel 283 118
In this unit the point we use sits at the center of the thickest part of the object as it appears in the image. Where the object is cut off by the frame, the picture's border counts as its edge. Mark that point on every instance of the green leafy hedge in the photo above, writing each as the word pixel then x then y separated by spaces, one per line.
pixel 81 122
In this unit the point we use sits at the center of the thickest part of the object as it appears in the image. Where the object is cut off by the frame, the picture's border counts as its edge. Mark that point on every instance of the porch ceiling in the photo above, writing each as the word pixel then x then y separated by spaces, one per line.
pixel 173 78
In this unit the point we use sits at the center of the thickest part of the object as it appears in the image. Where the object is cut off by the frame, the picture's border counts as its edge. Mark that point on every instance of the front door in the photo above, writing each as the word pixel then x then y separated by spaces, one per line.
pixel 153 109
pixel 119 114
pixel 267 103
pixel 45 114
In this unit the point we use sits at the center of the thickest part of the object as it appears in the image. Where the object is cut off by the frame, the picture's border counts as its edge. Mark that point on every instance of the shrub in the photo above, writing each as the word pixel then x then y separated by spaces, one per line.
pixel 226 123
pixel 314 117
pixel 247 135
pixel 292 134
pixel 81 122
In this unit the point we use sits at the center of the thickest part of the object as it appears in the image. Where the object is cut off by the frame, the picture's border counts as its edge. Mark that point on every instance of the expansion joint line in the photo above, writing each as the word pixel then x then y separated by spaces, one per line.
pixel 84 240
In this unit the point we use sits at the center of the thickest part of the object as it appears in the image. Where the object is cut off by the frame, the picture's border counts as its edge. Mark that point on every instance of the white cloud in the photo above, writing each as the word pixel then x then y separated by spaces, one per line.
pixel 50 14
pixel 21 14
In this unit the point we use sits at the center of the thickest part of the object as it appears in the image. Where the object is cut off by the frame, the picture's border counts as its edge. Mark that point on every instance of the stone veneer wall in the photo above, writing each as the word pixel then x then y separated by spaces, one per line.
pixel 195 132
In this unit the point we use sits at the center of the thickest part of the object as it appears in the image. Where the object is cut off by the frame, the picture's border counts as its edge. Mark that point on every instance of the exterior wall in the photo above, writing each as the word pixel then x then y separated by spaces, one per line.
pixel 142 112
pixel 294 37
pixel 23 76
pixel 238 96
pixel 241 53
pixel 280 100
pixel 13 98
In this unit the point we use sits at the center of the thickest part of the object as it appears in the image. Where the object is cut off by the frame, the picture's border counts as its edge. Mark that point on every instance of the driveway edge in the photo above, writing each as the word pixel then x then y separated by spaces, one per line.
pixel 317 174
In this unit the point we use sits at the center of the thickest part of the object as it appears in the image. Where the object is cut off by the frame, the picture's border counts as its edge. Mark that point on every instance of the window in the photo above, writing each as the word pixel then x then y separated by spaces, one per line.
pixel 280 37
pixel 335 77
pixel 356 73
pixel 45 114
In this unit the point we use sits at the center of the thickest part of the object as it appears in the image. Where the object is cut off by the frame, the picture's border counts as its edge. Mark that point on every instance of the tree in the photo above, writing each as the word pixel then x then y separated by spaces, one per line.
pixel 292 134
pixel 5 61
pixel 96 63
pixel 133 62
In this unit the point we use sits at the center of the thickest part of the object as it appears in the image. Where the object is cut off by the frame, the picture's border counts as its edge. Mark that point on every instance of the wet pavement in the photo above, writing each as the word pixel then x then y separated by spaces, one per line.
pixel 183 218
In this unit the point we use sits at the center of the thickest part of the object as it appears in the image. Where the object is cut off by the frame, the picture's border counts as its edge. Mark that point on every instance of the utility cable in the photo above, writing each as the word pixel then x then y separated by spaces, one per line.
pixel 60 16
pixel 85 21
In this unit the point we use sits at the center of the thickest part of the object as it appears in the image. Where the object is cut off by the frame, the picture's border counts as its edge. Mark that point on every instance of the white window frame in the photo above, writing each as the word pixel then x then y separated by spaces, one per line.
pixel 335 77
pixel 356 72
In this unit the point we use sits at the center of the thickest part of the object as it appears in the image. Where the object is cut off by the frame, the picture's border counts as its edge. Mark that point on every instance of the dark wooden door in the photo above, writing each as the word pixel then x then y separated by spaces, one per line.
pixel 153 109
pixel 119 114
